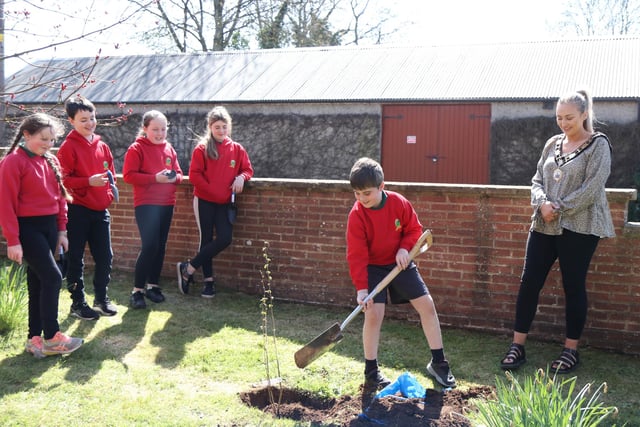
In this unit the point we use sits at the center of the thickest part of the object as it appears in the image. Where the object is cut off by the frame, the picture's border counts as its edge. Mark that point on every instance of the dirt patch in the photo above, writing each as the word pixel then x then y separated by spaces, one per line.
pixel 437 409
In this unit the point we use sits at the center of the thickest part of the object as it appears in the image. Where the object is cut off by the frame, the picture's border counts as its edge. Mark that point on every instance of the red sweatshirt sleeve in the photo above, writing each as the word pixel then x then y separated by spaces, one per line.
pixel 9 191
pixel 29 188
pixel 142 163
pixel 374 236
pixel 132 167
pixel 197 169
pixel 357 250
pixel 412 229
pixel 212 178
pixel 245 168
pixel 68 158
pixel 80 160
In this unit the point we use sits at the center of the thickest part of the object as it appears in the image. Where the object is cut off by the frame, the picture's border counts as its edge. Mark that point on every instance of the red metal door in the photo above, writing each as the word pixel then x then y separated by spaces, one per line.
pixel 436 143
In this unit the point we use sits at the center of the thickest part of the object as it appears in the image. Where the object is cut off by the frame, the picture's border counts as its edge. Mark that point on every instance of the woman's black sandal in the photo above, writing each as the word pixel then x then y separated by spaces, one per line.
pixel 566 362
pixel 514 358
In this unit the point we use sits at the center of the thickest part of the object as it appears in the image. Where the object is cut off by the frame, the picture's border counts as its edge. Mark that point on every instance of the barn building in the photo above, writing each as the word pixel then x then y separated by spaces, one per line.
pixel 476 114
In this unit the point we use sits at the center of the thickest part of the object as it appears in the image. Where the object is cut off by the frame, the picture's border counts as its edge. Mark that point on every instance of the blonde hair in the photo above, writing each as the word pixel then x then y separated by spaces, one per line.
pixel 218 113
pixel 148 117
pixel 584 103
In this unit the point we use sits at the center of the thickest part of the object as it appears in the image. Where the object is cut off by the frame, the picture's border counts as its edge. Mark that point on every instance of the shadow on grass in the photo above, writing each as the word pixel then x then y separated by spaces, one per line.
pixel 164 334
pixel 16 378
pixel 176 322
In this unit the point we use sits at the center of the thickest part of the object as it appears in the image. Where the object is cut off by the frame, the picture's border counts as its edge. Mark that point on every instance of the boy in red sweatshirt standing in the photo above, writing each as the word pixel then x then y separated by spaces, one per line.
pixel 381 230
pixel 86 164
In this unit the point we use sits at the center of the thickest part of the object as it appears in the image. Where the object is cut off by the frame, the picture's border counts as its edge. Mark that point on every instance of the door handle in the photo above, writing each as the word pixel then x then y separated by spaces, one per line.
pixel 434 158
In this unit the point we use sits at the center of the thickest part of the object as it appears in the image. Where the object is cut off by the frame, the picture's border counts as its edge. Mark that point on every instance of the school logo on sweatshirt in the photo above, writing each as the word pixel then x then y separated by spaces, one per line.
pixel 232 164
pixel 105 165
pixel 398 225
pixel 167 162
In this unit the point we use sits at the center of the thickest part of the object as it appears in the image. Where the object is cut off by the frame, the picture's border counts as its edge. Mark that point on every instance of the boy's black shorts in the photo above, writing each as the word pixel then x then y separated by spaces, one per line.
pixel 407 285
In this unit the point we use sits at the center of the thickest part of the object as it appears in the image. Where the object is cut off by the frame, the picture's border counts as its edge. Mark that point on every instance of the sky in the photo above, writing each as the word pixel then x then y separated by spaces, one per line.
pixel 417 21
pixel 475 21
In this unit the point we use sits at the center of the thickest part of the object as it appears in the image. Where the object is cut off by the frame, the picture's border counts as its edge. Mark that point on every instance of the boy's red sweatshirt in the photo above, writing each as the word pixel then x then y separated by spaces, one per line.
pixel 143 161
pixel 80 159
pixel 212 179
pixel 28 187
pixel 375 235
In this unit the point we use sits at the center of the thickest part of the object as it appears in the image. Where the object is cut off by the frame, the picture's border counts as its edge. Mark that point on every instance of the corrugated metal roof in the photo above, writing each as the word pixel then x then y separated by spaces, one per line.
pixel 510 71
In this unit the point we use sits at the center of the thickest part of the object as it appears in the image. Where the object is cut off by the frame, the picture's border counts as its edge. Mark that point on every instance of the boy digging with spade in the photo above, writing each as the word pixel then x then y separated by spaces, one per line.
pixel 381 230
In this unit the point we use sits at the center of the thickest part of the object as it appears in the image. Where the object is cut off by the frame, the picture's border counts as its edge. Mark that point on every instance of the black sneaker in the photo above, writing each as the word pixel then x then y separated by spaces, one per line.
pixel 375 379
pixel 106 307
pixel 154 293
pixel 209 290
pixel 137 300
pixel 184 279
pixel 81 310
pixel 441 372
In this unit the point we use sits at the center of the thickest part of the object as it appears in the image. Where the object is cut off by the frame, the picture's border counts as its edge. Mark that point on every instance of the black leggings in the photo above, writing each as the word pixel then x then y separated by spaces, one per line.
pixel 39 238
pixel 574 252
pixel 211 216
pixel 153 224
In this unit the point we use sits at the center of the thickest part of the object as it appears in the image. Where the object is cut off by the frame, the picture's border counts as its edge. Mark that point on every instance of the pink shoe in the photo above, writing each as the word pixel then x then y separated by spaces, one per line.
pixel 34 346
pixel 61 344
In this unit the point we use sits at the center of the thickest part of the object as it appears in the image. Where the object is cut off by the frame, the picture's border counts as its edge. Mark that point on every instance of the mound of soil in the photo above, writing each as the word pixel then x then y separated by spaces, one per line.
pixel 436 409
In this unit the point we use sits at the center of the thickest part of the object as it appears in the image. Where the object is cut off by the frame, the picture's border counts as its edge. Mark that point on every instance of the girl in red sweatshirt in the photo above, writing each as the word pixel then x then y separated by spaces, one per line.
pixel 33 216
pixel 219 168
pixel 151 166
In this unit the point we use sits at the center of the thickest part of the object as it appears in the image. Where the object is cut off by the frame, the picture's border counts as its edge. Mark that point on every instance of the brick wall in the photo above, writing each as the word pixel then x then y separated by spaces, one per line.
pixel 472 270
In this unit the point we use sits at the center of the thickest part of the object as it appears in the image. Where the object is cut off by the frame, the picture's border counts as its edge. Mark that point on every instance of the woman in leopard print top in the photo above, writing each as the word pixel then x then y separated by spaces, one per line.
pixel 571 215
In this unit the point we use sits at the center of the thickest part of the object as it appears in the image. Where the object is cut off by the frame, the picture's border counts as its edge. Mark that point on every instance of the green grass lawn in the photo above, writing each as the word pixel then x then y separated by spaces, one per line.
pixel 185 361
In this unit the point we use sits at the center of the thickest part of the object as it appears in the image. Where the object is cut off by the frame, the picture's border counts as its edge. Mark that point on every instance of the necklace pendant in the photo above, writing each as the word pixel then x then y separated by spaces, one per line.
pixel 557 174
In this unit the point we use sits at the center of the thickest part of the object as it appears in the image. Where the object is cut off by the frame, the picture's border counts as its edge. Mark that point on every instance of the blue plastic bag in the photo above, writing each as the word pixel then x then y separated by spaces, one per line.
pixel 407 385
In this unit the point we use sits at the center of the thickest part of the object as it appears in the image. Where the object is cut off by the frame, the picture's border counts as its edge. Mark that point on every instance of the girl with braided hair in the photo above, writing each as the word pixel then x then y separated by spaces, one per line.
pixel 33 217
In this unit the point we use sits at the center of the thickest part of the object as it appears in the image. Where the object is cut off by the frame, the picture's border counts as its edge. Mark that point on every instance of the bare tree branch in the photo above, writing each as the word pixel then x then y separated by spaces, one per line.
pixel 587 18
pixel 207 24
pixel 68 80
pixel 80 37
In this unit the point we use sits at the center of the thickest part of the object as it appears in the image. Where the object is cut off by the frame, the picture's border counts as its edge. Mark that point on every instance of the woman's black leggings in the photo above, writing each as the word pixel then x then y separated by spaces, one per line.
pixel 39 238
pixel 574 252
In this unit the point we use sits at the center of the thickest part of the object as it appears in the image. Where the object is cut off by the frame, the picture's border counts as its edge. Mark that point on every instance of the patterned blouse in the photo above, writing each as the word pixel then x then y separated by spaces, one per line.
pixel 576 182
